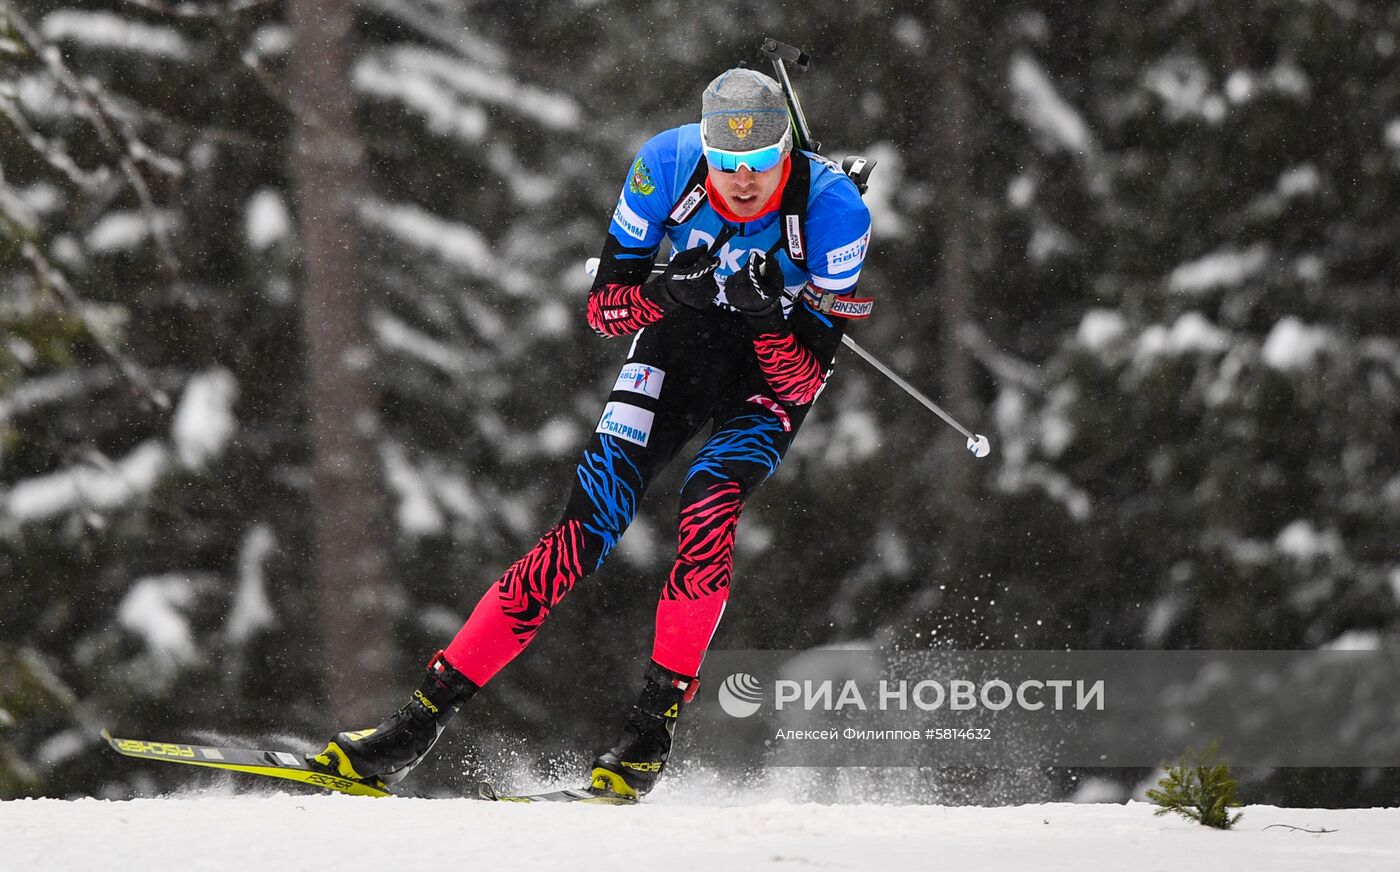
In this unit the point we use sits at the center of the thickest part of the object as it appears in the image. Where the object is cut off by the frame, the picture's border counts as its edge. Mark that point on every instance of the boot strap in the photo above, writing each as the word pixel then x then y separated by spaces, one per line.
pixel 690 687
pixel 461 687
pixel 658 674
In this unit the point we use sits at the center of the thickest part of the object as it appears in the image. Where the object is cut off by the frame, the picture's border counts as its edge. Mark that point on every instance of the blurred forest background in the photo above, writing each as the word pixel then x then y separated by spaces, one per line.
pixel 294 360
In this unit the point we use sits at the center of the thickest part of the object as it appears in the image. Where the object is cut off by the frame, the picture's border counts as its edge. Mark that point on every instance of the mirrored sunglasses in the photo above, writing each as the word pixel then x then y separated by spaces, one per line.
pixel 759 160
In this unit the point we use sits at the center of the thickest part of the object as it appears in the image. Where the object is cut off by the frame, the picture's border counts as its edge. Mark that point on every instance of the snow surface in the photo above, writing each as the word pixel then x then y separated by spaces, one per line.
pixel 307 833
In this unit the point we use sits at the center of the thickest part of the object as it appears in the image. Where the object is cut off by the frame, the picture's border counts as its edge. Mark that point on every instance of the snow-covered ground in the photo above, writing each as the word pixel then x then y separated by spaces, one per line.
pixel 285 832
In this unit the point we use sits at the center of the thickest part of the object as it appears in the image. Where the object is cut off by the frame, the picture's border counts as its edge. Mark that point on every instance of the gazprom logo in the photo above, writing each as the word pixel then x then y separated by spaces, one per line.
pixel 631 223
pixel 626 421
pixel 741 695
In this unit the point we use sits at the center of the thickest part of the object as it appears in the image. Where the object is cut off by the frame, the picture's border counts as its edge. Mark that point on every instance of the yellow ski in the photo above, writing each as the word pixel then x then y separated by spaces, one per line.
pixel 269 764
pixel 582 794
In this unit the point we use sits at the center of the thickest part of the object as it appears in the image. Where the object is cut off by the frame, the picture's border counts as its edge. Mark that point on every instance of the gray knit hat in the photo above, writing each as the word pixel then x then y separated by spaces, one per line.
pixel 743 110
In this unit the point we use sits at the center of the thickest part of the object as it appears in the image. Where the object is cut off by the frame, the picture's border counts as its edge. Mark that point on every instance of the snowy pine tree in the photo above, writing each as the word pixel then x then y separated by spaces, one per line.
pixel 1199 788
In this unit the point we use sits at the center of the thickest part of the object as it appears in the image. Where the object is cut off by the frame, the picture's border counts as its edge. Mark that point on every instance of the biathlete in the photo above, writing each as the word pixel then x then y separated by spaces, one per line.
pixel 717 340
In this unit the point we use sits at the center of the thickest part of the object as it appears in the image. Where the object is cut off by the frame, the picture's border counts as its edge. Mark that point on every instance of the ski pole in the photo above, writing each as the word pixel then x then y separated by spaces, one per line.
pixel 858 168
pixel 778 52
pixel 976 443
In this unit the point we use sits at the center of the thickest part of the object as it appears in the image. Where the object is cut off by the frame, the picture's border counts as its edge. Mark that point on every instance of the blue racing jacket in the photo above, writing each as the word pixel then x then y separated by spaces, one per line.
pixel 837 223
pixel 820 242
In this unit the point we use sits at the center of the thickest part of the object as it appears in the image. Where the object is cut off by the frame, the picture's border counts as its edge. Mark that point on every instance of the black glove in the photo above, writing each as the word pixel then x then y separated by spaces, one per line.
pixel 757 291
pixel 687 281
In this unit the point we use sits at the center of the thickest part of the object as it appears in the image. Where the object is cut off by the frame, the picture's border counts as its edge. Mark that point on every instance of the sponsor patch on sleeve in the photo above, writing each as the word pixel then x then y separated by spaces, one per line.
pixel 626 421
pixel 640 378
pixel 631 223
pixel 847 257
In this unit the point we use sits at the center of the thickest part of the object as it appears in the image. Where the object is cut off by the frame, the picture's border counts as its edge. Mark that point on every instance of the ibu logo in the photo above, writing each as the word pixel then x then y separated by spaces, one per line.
pixel 640 378
pixel 741 695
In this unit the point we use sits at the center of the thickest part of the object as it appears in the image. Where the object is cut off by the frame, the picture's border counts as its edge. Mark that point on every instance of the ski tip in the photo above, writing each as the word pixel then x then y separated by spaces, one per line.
pixel 485 791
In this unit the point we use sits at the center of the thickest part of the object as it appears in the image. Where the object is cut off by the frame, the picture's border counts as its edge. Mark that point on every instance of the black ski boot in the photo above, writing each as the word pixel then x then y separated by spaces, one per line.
pixel 388 752
pixel 631 767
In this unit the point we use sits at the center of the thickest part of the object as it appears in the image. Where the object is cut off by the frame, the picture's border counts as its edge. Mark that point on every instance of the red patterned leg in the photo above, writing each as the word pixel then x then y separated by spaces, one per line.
pixel 507 617
pixel 694 597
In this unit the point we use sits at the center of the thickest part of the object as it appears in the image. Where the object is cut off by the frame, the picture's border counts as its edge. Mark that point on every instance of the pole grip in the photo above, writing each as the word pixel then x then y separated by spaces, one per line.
pixel 790 53
pixel 778 52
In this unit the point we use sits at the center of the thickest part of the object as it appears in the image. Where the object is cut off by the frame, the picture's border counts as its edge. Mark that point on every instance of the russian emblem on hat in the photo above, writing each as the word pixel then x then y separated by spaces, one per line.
pixel 743 110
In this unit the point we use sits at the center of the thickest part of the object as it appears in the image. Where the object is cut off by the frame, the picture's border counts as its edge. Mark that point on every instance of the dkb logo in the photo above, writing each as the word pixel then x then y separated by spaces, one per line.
pixel 740 695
